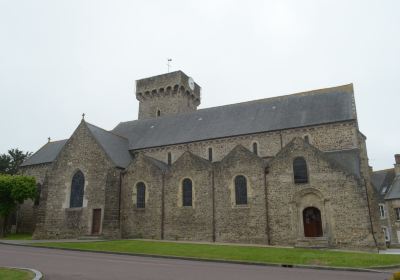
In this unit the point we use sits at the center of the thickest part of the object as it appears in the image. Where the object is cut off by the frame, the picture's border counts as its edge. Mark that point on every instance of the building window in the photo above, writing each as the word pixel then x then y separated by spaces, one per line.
pixel 38 193
pixel 77 189
pixel 240 190
pixel 397 210
pixel 300 171
pixel 210 154
pixel 187 192
pixel 140 195
pixel 307 139
pixel 255 148
pixel 386 234
pixel 382 212
pixel 158 113
pixel 169 159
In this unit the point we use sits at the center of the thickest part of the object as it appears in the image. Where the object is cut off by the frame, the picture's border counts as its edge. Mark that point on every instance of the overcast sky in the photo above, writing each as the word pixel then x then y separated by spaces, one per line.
pixel 59 59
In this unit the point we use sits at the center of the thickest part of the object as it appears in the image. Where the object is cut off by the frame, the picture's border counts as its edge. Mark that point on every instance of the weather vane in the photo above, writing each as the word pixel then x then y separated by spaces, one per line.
pixel 169 63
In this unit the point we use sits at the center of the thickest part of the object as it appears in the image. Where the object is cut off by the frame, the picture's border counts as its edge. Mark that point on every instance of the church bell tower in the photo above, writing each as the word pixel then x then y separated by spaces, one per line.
pixel 167 94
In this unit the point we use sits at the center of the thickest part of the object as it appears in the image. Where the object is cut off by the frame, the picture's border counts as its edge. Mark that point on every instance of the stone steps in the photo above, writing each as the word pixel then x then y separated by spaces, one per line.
pixel 312 242
pixel 90 237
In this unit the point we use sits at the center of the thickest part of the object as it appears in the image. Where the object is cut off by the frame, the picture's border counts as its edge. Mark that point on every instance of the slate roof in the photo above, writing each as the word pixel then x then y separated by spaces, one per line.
pixel 296 110
pixel 45 154
pixel 158 163
pixel 115 146
pixel 386 179
pixel 381 179
pixel 348 160
pixel 394 191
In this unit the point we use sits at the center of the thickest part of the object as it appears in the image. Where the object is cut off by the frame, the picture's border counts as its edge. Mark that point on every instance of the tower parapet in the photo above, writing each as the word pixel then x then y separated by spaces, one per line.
pixel 167 94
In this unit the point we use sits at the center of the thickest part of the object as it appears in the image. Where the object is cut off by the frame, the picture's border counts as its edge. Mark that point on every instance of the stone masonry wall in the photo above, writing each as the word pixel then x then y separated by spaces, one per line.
pixel 177 103
pixel 329 137
pixel 170 93
pixel 339 196
pixel 142 222
pixel 111 213
pixel 26 215
pixel 393 222
pixel 189 222
pixel 240 223
pixel 83 153
pixel 372 196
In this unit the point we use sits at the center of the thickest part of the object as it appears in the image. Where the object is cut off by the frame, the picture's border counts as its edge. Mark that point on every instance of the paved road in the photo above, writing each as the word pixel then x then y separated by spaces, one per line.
pixel 60 265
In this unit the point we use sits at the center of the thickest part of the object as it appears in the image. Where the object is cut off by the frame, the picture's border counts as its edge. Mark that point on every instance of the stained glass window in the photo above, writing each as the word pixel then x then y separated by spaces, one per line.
pixel 300 171
pixel 77 189
pixel 140 195
pixel 241 190
pixel 187 192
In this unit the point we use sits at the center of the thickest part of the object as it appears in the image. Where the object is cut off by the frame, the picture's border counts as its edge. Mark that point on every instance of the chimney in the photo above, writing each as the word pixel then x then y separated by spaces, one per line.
pixel 397 164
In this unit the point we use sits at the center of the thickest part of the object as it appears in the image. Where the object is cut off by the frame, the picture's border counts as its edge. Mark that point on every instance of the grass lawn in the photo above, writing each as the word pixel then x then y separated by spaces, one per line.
pixel 238 253
pixel 18 236
pixel 15 274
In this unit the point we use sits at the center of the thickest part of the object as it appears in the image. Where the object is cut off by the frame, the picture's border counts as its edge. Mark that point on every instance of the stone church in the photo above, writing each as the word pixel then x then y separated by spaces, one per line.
pixel 289 170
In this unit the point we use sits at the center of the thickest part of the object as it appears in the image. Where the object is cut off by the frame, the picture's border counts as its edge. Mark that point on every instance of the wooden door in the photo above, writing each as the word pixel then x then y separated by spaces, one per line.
pixel 96 221
pixel 312 222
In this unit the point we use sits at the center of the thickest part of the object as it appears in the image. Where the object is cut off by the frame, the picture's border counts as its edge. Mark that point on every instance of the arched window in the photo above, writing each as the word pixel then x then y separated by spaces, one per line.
pixel 77 189
pixel 39 192
pixel 169 159
pixel 300 171
pixel 187 192
pixel 307 139
pixel 210 154
pixel 241 190
pixel 158 113
pixel 140 195
pixel 255 148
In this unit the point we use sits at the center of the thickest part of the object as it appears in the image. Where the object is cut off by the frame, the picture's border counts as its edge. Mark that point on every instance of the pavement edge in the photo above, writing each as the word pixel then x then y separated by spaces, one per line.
pixel 38 274
pixel 379 269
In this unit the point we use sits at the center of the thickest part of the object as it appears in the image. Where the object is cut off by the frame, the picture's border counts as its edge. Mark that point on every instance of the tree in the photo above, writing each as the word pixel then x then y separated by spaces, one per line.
pixel 10 162
pixel 5 163
pixel 14 190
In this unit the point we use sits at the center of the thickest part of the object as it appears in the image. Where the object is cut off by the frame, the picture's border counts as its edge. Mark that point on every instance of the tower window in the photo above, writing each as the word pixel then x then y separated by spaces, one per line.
pixel 187 192
pixel 255 148
pixel 158 113
pixel 300 171
pixel 210 154
pixel 169 159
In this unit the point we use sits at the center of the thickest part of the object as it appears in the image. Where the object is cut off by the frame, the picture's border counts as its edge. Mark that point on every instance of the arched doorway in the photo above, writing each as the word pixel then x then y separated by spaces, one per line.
pixel 312 222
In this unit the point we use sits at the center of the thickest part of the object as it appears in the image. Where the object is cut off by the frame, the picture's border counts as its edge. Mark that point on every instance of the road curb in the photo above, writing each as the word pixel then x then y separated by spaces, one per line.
pixel 374 269
pixel 38 274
